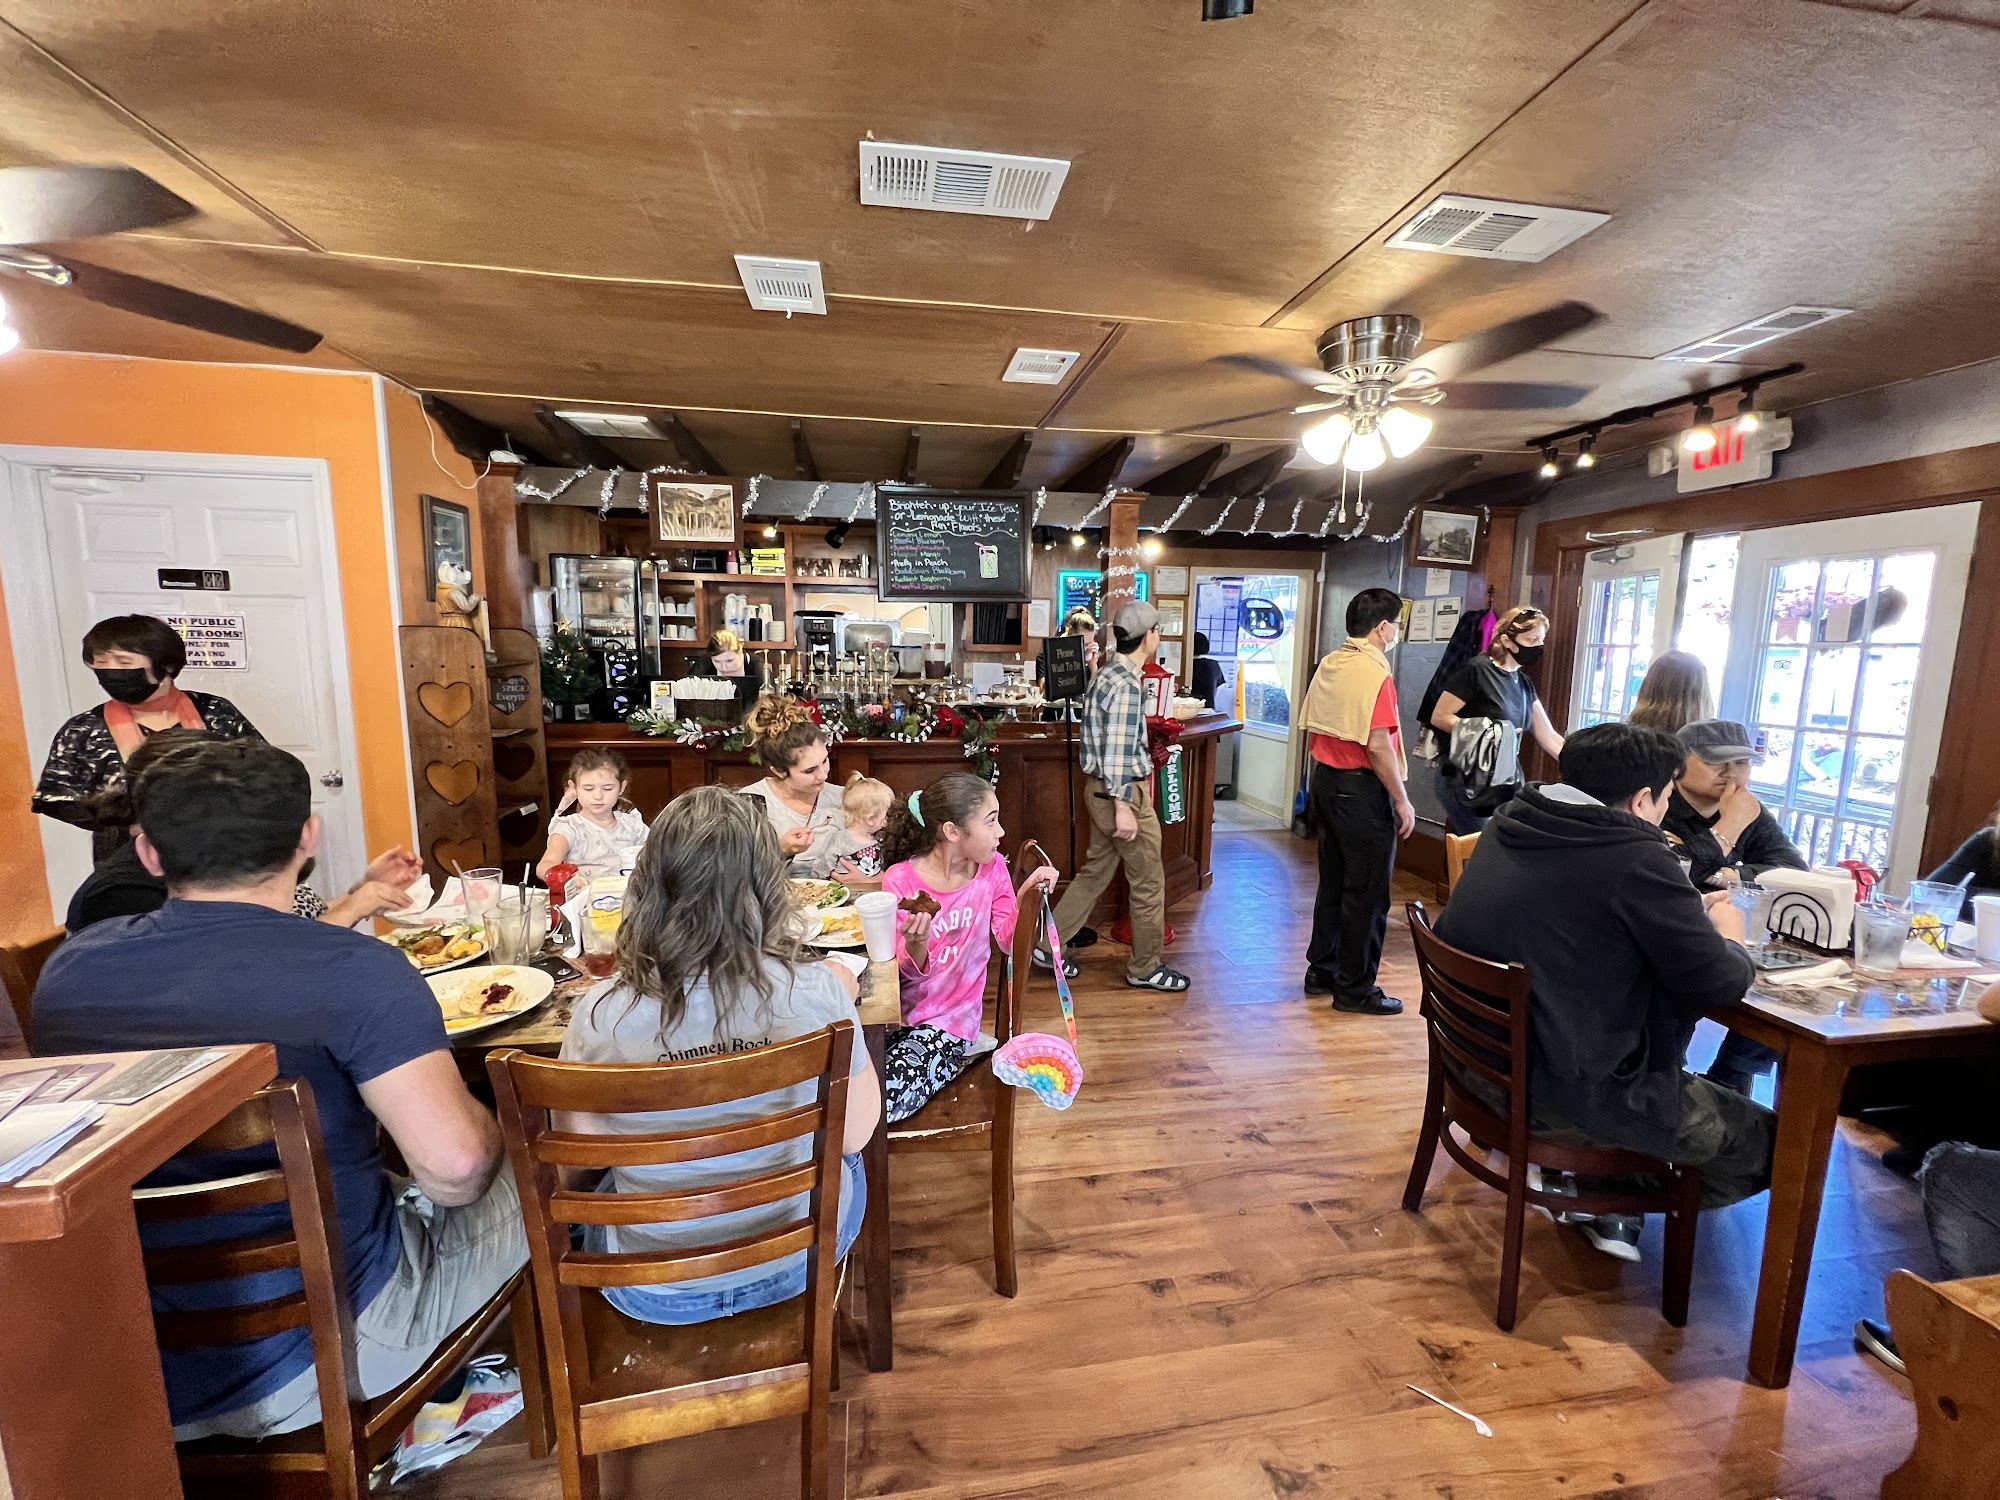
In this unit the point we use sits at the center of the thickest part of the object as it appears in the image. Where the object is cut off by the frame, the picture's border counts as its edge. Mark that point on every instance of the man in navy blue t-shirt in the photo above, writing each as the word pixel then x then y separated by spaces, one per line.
pixel 229 824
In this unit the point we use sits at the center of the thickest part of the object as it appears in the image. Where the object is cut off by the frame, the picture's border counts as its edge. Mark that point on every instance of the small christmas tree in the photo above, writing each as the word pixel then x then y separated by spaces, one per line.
pixel 568 673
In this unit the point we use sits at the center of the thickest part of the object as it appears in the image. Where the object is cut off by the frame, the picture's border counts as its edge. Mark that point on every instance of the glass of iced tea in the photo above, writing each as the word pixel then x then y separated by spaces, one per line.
pixel 599 954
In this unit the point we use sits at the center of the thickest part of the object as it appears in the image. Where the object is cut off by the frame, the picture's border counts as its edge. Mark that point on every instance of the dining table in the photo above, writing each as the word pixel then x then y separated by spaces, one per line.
pixel 83 1403
pixel 1823 1031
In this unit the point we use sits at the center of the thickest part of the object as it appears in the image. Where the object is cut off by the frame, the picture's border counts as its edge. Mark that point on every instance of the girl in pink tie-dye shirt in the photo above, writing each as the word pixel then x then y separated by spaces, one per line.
pixel 945 843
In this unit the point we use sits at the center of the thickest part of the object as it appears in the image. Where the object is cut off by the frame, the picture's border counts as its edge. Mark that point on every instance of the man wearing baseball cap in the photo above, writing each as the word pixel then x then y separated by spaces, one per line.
pixel 1124 828
pixel 1727 835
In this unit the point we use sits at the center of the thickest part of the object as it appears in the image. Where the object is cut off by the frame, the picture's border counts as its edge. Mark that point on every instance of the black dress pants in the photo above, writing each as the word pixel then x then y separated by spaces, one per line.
pixel 1356 827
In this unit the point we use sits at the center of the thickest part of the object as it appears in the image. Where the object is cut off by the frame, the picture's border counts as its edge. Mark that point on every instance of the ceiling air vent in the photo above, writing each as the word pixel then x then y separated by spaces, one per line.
pixel 1732 342
pixel 1040 366
pixel 610 424
pixel 1492 230
pixel 786 286
pixel 960 182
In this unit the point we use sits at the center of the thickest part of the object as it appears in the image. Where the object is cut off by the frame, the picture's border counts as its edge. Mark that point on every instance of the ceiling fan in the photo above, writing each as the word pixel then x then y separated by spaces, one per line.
pixel 1372 380
pixel 53 205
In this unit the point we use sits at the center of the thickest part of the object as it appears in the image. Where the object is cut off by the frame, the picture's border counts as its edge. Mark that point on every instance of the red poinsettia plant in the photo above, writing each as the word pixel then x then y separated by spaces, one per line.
pixel 1161 735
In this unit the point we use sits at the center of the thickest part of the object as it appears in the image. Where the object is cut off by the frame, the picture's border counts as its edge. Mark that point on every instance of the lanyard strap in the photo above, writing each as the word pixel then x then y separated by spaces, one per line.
pixel 1056 958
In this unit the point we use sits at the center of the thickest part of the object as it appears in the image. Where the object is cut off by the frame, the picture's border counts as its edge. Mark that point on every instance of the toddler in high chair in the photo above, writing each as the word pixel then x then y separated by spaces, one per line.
pixel 866 803
pixel 600 837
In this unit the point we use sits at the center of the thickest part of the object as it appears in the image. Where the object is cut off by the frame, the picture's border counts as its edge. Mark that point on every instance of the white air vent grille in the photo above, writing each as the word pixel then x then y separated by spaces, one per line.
pixel 960 182
pixel 1039 366
pixel 610 424
pixel 787 286
pixel 1492 230
pixel 1731 343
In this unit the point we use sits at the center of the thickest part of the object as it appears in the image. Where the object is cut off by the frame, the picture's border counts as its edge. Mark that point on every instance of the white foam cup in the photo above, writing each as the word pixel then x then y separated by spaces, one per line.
pixel 877 910
pixel 1986 928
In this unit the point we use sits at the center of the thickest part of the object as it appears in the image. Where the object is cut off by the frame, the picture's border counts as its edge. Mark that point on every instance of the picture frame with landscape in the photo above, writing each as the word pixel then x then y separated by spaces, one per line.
pixel 447 538
pixel 696 512
pixel 1446 536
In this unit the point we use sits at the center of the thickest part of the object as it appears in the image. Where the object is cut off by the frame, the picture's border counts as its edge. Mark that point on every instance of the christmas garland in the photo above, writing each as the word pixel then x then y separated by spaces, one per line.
pixel 915 725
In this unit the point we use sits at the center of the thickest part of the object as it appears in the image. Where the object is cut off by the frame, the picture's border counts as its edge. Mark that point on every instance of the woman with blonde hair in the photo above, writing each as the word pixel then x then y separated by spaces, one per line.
pixel 804 808
pixel 1673 694
pixel 1492 686
pixel 728 660
pixel 709 965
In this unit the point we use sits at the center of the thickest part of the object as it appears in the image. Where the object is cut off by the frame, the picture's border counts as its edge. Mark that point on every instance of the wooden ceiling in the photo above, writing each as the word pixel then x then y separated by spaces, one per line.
pixel 517 202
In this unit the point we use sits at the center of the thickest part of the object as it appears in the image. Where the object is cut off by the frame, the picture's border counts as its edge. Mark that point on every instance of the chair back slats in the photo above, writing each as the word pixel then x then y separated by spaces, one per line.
pixel 642 1267
pixel 567 1207
pixel 21 967
pixel 198 1200
pixel 225 1258
pixel 637 1088
pixel 566 1149
pixel 1477 1009
pixel 1477 1061
pixel 231 1325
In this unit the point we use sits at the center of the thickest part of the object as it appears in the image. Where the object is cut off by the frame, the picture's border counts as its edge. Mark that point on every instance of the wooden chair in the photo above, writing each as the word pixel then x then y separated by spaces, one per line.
pixel 355 1432
pixel 1457 850
pixel 1477 1017
pixel 1949 1336
pixel 21 966
pixel 617 1382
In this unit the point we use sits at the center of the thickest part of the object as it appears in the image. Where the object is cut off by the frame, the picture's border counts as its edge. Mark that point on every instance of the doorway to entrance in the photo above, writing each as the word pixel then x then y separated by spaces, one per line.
pixel 1253 621
pixel 236 551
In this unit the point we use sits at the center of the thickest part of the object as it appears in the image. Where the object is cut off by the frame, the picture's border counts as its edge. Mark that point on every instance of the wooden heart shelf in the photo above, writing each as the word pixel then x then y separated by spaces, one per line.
pixel 513 761
pixel 467 854
pixel 447 702
pixel 455 782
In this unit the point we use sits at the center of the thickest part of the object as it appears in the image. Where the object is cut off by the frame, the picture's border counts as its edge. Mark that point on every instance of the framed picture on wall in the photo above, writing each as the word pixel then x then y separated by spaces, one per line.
pixel 1444 536
pixel 1170 656
pixel 696 512
pixel 1173 618
pixel 447 538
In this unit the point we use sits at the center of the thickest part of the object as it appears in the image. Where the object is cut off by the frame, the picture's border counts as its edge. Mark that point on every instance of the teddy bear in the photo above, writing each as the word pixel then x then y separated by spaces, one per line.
pixel 458 605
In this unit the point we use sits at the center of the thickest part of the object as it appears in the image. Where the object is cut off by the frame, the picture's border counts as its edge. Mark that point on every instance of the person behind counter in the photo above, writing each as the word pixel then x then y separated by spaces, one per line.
pixel 728 660
pixel 806 812
pixel 135 659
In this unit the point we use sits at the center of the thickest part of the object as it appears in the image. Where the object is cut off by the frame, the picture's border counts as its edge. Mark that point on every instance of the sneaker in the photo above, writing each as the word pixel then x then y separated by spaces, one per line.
pixel 1319 982
pixel 1376 1004
pixel 1085 936
pixel 1617 1235
pixel 1873 1338
pixel 1042 961
pixel 1563 1183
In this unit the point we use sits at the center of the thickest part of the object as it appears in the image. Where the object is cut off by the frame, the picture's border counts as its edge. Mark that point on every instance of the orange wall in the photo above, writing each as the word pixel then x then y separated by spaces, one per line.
pixel 85 401
pixel 422 463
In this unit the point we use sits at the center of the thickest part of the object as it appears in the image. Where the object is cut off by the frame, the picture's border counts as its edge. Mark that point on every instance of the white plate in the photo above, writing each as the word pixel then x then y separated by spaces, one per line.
pixel 821 940
pixel 456 963
pixel 846 898
pixel 534 985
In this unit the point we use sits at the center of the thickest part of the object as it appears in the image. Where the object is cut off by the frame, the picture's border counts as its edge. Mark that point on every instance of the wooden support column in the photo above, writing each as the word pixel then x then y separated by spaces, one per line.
pixel 1121 549
pixel 1497 566
pixel 509 571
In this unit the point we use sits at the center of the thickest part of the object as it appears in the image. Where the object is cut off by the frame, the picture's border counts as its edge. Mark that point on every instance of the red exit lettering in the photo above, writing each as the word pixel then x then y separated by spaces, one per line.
pixel 1728 450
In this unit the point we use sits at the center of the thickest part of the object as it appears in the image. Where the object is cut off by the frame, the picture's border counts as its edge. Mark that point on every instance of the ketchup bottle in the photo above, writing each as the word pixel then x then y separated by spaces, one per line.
pixel 558 880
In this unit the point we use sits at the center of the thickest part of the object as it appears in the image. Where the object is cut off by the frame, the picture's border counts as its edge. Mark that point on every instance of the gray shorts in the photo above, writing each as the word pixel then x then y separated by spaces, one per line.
pixel 452 1262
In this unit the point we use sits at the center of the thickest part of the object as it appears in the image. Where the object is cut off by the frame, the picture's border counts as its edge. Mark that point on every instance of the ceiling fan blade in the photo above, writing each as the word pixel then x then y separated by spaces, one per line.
pixel 169 304
pixel 1276 411
pixel 40 205
pixel 1303 374
pixel 1511 395
pixel 1456 360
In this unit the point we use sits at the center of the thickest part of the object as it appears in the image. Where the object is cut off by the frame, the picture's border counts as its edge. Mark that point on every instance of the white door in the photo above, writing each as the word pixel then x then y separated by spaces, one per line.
pixel 1840 661
pixel 1253 623
pixel 1625 619
pixel 90 539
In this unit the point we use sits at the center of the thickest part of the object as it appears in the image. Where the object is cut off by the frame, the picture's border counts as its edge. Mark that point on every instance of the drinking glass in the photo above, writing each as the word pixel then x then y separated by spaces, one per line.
pixel 1879 933
pixel 1754 901
pixel 482 893
pixel 512 936
pixel 1937 900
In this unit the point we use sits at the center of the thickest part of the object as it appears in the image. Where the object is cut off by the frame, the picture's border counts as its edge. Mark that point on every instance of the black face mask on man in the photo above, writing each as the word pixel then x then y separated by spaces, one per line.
pixel 1527 656
pixel 126 684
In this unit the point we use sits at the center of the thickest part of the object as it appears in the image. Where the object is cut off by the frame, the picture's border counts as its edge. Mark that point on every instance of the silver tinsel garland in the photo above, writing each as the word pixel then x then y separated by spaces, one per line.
pixel 862 496
pixel 750 492
pixel 1103 504
pixel 604 495
pixel 1041 499
pixel 1255 516
pixel 818 494
pixel 1216 525
pixel 1179 511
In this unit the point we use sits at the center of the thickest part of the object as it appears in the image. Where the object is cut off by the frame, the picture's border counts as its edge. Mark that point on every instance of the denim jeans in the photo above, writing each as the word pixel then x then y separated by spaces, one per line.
pixel 692 1302
pixel 1961 1188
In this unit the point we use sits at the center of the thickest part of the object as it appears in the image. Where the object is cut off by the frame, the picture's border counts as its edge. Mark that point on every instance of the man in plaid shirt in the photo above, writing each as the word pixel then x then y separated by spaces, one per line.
pixel 1124 828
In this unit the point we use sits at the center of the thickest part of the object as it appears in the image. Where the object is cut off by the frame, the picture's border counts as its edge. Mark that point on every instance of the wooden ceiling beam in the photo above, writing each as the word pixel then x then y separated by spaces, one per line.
pixel 1101 472
pixel 1006 474
pixel 579 448
pixel 474 439
pixel 803 466
pixel 1192 477
pixel 1252 478
pixel 915 442
pixel 669 425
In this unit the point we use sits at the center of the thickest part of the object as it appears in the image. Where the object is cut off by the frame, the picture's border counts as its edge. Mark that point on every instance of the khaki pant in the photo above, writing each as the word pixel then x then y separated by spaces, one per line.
pixel 1145 877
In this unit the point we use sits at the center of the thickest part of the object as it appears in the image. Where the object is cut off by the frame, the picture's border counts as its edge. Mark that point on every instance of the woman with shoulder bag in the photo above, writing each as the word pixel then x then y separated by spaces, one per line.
pixel 1485 708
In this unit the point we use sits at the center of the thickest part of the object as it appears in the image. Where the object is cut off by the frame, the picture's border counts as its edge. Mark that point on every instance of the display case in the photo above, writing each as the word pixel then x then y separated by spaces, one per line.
pixel 599 597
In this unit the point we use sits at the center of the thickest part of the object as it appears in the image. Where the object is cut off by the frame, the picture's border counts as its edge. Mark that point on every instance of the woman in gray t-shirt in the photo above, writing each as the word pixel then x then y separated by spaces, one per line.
pixel 707 964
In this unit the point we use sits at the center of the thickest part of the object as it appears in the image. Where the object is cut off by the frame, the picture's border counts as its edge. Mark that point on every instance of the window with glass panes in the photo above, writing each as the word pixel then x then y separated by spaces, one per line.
pixel 1617 645
pixel 1836 672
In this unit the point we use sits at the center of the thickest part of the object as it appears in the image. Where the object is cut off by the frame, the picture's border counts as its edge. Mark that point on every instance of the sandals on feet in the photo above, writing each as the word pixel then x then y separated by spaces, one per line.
pixel 1162 978
pixel 1044 962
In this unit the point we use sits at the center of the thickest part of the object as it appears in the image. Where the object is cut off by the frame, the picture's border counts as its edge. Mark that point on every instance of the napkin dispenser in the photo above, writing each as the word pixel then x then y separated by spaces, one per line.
pixel 1813 907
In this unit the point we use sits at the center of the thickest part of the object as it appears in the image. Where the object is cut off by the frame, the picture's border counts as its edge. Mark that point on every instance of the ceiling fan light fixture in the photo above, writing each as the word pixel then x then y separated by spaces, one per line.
pixel 1324 440
pixel 1700 438
pixel 1405 431
pixel 1365 451
pixel 1550 468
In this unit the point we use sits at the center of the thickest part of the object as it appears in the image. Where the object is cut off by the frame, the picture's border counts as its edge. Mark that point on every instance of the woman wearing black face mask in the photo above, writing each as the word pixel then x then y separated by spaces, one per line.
pixel 135 659
pixel 1493 686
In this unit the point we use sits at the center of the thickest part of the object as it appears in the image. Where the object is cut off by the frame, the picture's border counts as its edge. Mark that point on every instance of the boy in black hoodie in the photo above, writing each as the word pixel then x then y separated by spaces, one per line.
pixel 1577 882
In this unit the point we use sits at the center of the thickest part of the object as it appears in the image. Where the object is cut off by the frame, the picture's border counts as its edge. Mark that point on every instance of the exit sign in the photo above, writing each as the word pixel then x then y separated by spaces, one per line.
pixel 1737 458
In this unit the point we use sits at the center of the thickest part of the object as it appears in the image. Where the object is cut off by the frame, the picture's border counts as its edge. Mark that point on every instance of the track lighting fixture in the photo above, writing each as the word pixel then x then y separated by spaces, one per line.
pixel 1586 455
pixel 1748 418
pixel 1550 468
pixel 1700 438
pixel 770 533
pixel 1077 539
pixel 836 534
pixel 1152 546
pixel 1226 10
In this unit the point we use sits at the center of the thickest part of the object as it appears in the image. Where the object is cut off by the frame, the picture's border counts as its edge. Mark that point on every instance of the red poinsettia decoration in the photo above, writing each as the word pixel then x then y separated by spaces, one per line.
pixel 950 720
pixel 1161 735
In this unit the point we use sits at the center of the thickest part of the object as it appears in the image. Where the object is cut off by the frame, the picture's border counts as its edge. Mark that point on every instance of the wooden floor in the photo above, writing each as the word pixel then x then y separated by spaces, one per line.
pixel 1221 1298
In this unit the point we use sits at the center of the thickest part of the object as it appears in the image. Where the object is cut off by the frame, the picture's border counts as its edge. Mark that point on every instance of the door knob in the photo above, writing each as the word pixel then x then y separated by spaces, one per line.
pixel 333 779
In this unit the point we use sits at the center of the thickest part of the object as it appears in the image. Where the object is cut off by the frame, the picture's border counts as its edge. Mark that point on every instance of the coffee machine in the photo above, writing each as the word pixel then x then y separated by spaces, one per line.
pixel 819 631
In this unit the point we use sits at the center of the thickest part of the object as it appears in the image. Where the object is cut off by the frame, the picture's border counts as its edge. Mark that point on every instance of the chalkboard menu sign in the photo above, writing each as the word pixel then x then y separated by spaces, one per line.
pixel 951 544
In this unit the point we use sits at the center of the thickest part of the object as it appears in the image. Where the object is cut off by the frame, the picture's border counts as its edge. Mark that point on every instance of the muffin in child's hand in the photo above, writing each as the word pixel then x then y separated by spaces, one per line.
pixel 923 903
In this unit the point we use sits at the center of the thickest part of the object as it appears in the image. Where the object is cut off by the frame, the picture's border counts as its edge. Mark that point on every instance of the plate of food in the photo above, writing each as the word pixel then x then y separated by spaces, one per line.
pixel 824 895
pixel 838 929
pixel 444 945
pixel 474 999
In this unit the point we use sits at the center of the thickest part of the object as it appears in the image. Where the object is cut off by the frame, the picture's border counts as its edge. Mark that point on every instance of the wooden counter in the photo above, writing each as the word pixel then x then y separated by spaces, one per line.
pixel 1034 801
